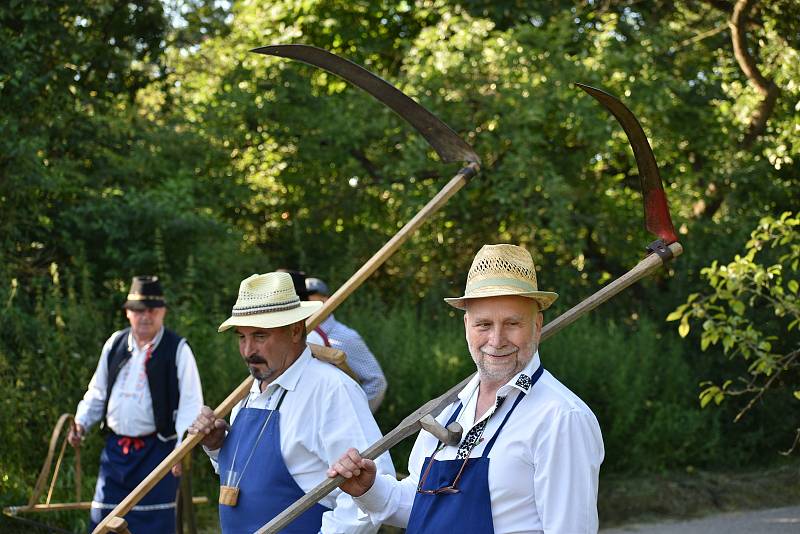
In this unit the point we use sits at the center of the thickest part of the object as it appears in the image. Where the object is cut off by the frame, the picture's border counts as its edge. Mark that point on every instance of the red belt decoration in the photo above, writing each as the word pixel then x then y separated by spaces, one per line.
pixel 126 443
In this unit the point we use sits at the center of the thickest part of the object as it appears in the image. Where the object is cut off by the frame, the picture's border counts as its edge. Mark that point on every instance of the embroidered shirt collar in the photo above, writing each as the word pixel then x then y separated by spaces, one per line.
pixel 133 345
pixel 520 381
pixel 523 379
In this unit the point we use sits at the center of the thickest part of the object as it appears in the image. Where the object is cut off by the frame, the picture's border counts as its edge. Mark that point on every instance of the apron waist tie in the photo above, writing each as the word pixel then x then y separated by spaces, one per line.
pixel 127 443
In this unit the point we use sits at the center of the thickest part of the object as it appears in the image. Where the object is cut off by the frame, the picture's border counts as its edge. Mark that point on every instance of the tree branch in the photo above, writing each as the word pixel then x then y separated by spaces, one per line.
pixel 699 37
pixel 763 389
pixel 765 86
pixel 739 21
pixel 794 445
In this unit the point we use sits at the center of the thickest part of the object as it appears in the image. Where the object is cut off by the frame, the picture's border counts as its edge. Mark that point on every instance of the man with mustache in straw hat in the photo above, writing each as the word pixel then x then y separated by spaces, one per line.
pixel 147 391
pixel 300 416
pixel 530 457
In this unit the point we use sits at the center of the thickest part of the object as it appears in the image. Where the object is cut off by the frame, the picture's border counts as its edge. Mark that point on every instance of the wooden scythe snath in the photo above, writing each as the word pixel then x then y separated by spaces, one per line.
pixel 447 144
pixel 65 422
pixel 663 249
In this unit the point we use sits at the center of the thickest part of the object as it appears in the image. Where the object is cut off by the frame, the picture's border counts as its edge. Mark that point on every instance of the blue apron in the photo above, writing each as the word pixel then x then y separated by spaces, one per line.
pixel 469 510
pixel 124 463
pixel 266 487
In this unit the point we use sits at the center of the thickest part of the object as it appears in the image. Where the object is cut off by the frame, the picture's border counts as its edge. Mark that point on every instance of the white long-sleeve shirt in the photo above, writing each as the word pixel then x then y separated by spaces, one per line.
pixel 323 414
pixel 543 469
pixel 130 408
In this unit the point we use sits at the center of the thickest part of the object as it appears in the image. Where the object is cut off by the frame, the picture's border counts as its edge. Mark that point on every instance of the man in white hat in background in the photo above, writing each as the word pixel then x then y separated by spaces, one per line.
pixel 300 415
pixel 340 336
pixel 530 456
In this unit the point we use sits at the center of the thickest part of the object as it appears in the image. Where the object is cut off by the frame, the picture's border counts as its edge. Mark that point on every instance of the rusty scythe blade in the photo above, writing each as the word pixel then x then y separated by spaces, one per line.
pixel 444 140
pixel 656 212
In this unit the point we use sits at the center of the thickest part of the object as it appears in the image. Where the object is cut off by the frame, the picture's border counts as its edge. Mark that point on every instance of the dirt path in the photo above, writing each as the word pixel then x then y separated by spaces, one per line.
pixel 772 521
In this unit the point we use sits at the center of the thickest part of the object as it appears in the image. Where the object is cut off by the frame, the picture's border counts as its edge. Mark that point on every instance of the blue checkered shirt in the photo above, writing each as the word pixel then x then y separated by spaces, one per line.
pixel 359 358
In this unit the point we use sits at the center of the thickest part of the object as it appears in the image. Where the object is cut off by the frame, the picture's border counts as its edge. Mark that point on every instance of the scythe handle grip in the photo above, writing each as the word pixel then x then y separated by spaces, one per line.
pixel 119 525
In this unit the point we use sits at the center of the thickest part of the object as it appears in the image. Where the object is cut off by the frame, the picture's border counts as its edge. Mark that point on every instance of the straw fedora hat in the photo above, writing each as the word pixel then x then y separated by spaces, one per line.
pixel 499 270
pixel 268 301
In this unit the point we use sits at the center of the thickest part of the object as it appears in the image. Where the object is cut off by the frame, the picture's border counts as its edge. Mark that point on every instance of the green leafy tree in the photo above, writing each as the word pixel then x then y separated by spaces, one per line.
pixel 311 159
pixel 753 312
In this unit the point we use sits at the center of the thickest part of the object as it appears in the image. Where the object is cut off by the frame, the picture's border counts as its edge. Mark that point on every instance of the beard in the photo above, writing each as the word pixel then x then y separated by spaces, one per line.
pixel 255 372
pixel 515 358
pixel 259 374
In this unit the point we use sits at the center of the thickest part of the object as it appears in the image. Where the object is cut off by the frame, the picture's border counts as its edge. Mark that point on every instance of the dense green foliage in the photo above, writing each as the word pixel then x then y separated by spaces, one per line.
pixel 144 137
pixel 752 309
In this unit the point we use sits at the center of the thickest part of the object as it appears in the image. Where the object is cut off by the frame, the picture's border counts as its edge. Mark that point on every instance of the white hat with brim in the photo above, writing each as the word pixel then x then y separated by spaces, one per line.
pixel 268 301
pixel 503 270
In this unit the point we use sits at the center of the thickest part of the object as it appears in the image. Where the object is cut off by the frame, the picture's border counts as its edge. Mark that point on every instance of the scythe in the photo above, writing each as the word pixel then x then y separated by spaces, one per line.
pixel 447 144
pixel 64 421
pixel 666 247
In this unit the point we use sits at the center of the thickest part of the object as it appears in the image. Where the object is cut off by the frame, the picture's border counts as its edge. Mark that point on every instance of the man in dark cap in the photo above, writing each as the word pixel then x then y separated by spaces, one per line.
pixel 340 336
pixel 146 391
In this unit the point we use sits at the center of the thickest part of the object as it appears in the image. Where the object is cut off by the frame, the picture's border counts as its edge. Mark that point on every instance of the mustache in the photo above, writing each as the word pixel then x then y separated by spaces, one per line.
pixel 255 358
pixel 486 349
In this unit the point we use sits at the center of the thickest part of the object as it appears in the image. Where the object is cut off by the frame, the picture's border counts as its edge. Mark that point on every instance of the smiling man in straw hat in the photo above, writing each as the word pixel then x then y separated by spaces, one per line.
pixel 530 456
pixel 301 414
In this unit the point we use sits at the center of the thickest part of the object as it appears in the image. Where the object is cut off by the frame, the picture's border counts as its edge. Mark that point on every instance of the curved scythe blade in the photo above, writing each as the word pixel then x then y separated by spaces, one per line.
pixel 444 140
pixel 656 212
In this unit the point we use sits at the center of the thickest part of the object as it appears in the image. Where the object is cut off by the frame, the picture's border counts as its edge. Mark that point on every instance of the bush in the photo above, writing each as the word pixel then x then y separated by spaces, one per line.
pixel 639 386
pixel 752 310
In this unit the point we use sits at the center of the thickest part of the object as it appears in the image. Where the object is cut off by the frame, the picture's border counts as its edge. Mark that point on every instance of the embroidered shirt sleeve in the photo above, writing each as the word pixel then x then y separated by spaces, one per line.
pixel 90 409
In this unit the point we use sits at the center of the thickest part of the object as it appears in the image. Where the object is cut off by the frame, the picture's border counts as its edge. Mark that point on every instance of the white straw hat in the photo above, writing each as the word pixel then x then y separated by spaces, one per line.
pixel 268 301
pixel 499 270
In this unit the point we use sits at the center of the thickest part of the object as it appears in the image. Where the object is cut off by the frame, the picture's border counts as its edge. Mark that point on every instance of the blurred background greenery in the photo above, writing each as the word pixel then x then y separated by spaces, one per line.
pixel 144 137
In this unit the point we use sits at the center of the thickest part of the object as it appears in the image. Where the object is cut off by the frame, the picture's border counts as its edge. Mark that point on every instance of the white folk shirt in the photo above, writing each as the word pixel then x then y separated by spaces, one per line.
pixel 543 469
pixel 130 408
pixel 323 414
